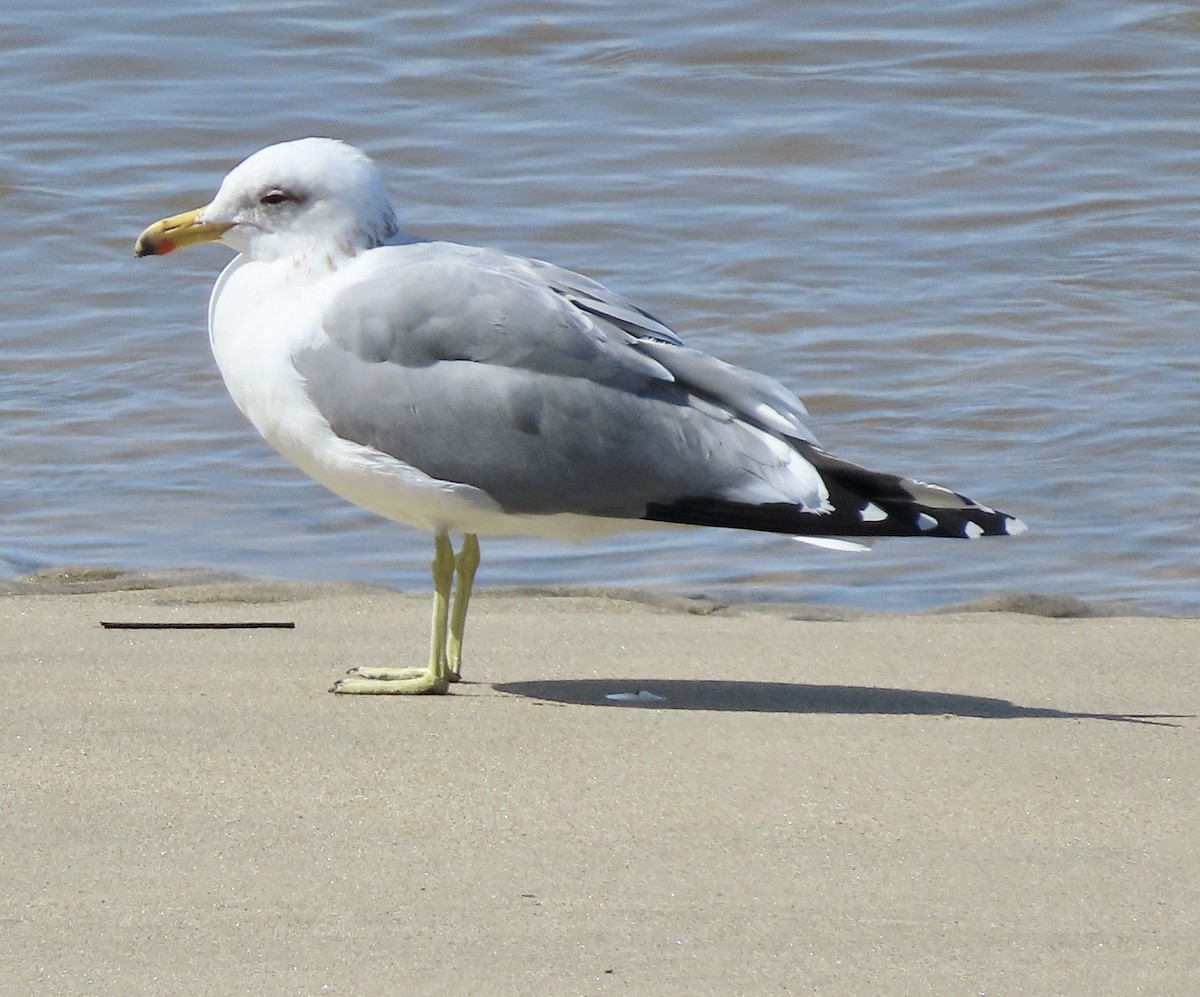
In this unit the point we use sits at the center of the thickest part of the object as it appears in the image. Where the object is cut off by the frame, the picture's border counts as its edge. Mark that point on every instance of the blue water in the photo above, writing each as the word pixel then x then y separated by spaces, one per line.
pixel 966 233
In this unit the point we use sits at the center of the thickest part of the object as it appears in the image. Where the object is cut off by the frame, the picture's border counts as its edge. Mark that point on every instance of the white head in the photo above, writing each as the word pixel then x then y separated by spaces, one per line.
pixel 292 199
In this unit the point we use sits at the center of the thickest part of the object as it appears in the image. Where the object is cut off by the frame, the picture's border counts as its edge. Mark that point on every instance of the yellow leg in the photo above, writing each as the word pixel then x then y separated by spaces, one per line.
pixel 415 681
pixel 464 568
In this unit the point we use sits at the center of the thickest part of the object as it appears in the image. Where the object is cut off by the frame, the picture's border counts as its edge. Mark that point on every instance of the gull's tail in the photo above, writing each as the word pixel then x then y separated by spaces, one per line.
pixel 862 503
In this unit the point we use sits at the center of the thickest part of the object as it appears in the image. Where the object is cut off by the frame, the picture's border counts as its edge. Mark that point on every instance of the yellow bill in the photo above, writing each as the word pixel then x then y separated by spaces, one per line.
pixel 172 233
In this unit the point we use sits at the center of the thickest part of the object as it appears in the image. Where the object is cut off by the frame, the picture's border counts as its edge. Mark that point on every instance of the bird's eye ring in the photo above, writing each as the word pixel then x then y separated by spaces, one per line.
pixel 275 196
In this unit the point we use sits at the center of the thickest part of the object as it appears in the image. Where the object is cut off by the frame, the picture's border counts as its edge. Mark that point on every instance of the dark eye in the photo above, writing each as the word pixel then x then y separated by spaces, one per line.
pixel 275 196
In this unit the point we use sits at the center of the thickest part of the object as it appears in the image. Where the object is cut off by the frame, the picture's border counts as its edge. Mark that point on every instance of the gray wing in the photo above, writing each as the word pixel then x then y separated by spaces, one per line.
pixel 743 391
pixel 469 365
pixel 587 295
pixel 597 300
pixel 432 302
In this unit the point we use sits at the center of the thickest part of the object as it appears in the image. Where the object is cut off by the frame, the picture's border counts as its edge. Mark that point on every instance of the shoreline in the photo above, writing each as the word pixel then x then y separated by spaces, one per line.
pixel 942 802
pixel 82 579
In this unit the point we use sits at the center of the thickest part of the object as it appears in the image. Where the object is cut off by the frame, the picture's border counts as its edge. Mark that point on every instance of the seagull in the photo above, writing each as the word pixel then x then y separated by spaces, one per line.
pixel 466 391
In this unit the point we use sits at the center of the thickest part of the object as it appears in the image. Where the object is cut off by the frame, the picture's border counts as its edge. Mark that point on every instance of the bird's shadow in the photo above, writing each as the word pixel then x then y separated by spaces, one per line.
pixel 785 697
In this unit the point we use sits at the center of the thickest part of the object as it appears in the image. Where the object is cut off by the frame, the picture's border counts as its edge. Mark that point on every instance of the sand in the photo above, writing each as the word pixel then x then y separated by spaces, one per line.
pixel 973 802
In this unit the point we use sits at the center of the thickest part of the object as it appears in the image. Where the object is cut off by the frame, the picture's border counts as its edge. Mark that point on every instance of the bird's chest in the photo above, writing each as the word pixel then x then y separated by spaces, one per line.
pixel 259 317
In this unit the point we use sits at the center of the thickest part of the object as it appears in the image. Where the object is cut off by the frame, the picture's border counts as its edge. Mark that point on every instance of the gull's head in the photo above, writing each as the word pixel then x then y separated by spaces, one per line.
pixel 314 195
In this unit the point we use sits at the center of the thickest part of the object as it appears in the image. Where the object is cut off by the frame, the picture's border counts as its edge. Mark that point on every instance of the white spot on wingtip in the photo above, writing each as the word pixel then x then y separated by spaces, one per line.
pixel 1015 527
pixel 872 514
pixel 926 522
pixel 973 531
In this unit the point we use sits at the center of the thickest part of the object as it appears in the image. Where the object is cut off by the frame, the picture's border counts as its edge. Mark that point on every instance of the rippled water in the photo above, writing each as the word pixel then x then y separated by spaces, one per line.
pixel 966 233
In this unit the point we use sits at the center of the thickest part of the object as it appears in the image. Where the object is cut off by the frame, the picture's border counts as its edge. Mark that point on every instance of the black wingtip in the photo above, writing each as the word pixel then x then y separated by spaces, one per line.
pixel 859 518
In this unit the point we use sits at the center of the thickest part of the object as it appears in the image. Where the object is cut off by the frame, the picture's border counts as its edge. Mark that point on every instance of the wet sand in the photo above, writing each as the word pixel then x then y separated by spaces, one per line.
pixel 969 802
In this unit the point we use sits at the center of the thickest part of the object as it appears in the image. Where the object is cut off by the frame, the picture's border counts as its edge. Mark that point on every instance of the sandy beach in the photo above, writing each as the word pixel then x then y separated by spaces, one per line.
pixel 968 802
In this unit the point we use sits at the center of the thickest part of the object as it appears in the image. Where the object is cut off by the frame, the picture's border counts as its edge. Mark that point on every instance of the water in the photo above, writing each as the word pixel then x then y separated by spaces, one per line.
pixel 966 233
